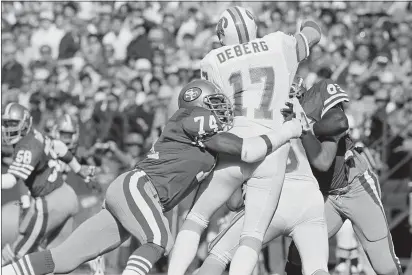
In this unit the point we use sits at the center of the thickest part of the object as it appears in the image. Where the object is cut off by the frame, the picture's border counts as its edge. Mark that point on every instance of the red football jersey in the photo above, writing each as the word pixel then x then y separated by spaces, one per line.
pixel 34 164
pixel 178 162
pixel 319 99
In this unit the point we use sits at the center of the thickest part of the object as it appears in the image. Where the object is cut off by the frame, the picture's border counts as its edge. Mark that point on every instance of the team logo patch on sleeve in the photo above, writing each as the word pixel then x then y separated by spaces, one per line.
pixel 192 94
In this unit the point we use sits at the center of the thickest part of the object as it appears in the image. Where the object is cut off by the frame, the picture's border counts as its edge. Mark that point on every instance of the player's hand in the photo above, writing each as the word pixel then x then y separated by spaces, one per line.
pixel 87 172
pixel 288 112
pixel 301 116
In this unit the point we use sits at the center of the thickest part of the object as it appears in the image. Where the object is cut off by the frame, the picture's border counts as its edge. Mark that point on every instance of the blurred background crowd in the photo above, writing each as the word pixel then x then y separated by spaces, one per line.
pixel 119 66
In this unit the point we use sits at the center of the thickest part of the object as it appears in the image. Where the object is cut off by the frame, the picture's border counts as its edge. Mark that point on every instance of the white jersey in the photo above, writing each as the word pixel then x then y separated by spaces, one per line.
pixel 256 76
pixel 298 167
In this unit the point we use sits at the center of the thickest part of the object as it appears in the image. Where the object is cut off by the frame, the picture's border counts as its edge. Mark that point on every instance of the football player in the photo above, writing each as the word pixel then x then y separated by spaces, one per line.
pixel 182 157
pixel 351 189
pixel 299 215
pixel 256 74
pixel 35 162
pixel 66 129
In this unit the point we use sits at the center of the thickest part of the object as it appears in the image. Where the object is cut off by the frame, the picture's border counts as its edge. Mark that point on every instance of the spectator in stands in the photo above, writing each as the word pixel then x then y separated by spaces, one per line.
pixel 47 34
pixel 11 70
pixel 119 36
pixel 139 46
pixel 70 42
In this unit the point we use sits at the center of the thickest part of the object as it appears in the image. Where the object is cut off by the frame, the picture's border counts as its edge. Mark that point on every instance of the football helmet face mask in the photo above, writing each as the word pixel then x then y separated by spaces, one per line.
pixel 66 129
pixel 236 26
pixel 205 94
pixel 16 123
pixel 298 88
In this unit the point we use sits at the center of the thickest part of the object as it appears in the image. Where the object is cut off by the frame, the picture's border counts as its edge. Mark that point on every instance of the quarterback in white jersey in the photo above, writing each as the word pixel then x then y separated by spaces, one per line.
pixel 256 74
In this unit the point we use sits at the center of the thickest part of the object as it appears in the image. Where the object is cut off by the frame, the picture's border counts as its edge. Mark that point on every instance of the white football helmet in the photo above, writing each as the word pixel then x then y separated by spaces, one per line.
pixel 236 26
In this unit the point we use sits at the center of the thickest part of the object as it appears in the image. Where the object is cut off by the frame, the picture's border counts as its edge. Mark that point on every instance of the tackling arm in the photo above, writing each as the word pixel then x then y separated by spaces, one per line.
pixel 320 154
pixel 333 125
pixel 255 148
pixel 66 156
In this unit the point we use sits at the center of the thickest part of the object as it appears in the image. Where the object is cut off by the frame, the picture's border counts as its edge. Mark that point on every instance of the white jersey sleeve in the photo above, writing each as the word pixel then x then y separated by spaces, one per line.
pixel 298 167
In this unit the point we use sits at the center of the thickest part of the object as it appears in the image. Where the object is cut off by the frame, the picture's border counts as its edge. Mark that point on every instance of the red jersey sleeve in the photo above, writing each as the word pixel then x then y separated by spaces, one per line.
pixel 200 125
pixel 25 158
pixel 332 95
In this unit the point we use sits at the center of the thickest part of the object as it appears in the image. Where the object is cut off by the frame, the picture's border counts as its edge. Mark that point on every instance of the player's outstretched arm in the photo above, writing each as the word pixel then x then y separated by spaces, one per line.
pixel 64 154
pixel 255 148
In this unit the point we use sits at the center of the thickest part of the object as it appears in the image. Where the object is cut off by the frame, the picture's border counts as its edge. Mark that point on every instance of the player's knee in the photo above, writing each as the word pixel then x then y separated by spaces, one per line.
pixel 195 222
pixel 236 201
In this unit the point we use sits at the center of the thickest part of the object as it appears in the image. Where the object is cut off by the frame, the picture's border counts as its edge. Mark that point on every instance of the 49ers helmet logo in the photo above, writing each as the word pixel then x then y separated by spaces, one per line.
pixel 192 94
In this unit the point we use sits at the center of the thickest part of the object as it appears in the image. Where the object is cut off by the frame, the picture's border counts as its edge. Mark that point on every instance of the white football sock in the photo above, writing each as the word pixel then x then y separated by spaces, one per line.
pixel 244 261
pixel 184 251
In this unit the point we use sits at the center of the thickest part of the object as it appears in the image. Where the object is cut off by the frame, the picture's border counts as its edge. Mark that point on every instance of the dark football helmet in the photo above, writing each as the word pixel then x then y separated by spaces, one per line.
pixel 205 94
pixel 16 123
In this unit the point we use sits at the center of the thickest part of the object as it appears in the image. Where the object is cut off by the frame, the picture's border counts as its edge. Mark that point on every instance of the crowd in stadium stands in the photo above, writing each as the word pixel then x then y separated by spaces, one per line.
pixel 119 66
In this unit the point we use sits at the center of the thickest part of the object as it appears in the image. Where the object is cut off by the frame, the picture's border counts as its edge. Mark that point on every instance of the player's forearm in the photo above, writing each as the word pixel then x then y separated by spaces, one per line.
pixel 75 165
pixel 257 148
pixel 320 154
pixel 8 181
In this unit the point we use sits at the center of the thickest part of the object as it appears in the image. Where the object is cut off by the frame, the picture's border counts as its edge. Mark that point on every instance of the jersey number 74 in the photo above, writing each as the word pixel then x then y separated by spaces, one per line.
pixel 257 75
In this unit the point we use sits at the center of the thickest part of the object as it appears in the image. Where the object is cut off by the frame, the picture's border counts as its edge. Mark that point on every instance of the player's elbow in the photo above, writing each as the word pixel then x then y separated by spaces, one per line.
pixel 342 124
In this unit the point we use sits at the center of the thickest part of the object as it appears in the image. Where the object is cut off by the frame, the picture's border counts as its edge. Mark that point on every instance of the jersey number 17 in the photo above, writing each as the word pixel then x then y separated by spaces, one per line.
pixel 257 75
